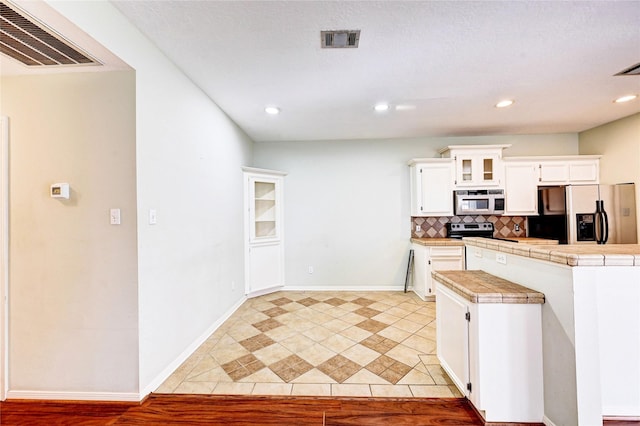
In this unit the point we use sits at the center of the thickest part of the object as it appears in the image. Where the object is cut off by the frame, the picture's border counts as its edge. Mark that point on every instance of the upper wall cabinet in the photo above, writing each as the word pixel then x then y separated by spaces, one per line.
pixel 575 170
pixel 477 166
pixel 431 186
pixel 521 187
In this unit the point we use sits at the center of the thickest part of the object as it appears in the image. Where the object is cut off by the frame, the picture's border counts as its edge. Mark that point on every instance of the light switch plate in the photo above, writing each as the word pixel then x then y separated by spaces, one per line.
pixel 153 219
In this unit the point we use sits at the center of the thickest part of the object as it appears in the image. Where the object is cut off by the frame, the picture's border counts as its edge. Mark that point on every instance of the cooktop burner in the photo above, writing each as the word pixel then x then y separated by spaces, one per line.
pixel 460 230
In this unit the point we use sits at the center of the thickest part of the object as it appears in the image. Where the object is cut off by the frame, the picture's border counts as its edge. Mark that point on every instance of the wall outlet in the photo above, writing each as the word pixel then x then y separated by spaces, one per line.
pixel 516 227
pixel 114 216
pixel 501 258
pixel 310 269
pixel 418 228
pixel 477 253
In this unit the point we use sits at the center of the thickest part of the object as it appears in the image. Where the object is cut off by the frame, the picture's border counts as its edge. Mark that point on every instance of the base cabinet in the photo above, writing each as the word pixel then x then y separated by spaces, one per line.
pixel 493 354
pixel 427 259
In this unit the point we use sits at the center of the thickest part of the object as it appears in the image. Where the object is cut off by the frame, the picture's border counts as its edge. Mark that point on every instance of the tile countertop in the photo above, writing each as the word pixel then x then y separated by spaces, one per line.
pixel 567 254
pixel 438 241
pixel 532 240
pixel 481 287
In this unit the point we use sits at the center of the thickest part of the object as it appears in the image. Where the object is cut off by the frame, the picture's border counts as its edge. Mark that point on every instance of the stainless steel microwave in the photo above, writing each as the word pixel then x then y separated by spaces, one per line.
pixel 479 202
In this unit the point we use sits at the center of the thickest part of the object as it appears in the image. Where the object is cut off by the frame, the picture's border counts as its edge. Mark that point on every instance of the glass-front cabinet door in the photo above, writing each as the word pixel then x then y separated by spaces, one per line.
pixel 265 209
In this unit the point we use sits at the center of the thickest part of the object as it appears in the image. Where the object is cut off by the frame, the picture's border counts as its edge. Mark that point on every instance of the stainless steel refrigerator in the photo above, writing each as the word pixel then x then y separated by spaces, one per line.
pixel 586 214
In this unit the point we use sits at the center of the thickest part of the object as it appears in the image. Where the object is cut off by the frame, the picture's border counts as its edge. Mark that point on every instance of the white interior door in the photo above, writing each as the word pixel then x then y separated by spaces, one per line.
pixel 4 249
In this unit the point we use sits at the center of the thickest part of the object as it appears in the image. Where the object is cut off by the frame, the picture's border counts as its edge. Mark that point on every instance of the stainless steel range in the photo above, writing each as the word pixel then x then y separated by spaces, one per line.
pixel 460 230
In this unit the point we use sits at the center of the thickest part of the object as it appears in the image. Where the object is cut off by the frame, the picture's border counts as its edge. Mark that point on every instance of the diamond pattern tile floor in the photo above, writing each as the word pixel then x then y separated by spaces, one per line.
pixel 319 344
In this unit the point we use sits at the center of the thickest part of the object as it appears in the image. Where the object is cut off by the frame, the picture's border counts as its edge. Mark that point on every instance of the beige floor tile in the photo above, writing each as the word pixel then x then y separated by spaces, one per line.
pixel 311 389
pixel 360 354
pixel 398 312
pixel 318 333
pixel 352 318
pixel 297 343
pixel 366 377
pixel 394 333
pixel 225 388
pixel 420 344
pixel 214 375
pixel 272 389
pixel 391 390
pixel 405 355
pixel 427 332
pixel 386 318
pixel 273 353
pixel 243 331
pixel 408 326
pixel 254 316
pixel 169 385
pixel 419 318
pixel 314 376
pixel 302 325
pixel 350 390
pixel 416 377
pixel 355 333
pixel 263 376
pixel 422 391
pixel 229 353
pixel 431 359
pixel 337 343
pixel 381 305
pixel 318 317
pixel 350 307
pixel 439 375
pixel 316 354
pixel 194 387
pixel 206 363
pixel 293 307
pixel 336 325
pixel 281 333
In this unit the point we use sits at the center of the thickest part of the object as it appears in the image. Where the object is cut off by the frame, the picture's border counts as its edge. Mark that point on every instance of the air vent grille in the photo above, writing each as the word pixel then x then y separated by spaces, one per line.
pixel 632 70
pixel 32 44
pixel 342 39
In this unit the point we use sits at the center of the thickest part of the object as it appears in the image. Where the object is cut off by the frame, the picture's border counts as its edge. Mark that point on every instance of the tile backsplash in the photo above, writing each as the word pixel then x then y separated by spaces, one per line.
pixel 434 227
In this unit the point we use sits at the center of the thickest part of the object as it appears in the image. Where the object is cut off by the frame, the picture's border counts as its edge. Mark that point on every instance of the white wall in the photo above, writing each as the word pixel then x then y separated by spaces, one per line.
pixel 73 276
pixel 619 143
pixel 347 203
pixel 189 155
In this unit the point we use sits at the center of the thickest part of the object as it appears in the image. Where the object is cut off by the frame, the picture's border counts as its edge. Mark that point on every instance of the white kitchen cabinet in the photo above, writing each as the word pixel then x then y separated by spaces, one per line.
pixel 478 166
pixel 431 183
pixel 433 258
pixel 493 354
pixel 264 239
pixel 520 188
pixel 569 170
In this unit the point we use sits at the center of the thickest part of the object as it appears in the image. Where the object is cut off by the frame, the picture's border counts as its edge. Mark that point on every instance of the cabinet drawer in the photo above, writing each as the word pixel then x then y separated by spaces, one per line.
pixel 446 251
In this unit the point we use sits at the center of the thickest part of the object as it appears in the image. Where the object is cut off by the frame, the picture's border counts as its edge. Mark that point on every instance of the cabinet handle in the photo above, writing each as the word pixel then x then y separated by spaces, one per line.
pixel 429 262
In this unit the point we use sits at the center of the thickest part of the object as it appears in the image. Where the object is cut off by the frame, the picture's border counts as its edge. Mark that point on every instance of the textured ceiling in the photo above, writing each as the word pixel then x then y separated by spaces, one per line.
pixel 450 61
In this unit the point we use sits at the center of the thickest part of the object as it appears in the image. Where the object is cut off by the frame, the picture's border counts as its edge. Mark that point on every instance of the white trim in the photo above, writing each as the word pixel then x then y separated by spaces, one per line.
pixel 263 171
pixel 547 422
pixel 343 288
pixel 264 291
pixel 169 369
pixel 4 257
pixel 74 396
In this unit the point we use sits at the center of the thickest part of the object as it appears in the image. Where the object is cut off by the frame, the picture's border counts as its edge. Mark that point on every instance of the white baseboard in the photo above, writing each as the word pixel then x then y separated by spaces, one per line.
pixel 74 396
pixel 169 369
pixel 547 422
pixel 343 288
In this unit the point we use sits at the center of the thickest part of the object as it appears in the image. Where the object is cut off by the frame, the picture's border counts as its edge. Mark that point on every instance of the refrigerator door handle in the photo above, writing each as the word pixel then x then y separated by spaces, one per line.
pixel 605 227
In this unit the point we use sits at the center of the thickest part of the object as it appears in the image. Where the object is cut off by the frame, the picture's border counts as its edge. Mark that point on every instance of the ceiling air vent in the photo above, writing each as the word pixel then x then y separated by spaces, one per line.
pixel 342 39
pixel 33 44
pixel 632 70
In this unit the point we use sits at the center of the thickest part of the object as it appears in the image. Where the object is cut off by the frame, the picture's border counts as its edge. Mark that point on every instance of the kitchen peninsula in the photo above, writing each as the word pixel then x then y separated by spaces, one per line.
pixel 590 322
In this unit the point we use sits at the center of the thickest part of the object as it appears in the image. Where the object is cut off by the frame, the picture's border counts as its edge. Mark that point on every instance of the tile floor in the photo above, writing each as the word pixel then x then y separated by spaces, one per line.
pixel 320 344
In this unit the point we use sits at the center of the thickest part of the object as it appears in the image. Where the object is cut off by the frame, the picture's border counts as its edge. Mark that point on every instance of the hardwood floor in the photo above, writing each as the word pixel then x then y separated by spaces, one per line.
pixel 173 409
pixel 160 409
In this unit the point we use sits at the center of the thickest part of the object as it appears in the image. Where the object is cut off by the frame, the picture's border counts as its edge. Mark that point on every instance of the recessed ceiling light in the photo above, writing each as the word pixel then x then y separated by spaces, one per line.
pixel 381 107
pixel 405 107
pixel 504 104
pixel 626 98
pixel 272 110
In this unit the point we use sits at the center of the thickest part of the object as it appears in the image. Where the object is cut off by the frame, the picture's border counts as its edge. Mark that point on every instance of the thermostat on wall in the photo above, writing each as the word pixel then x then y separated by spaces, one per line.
pixel 60 190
